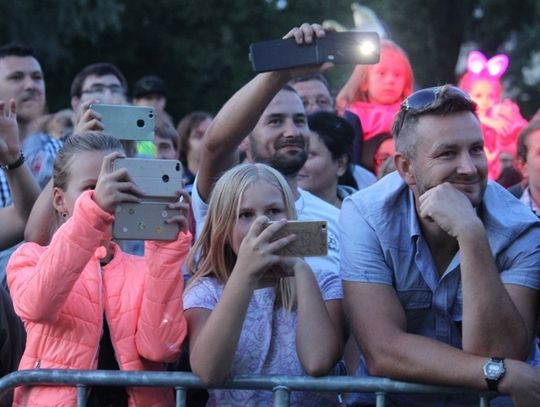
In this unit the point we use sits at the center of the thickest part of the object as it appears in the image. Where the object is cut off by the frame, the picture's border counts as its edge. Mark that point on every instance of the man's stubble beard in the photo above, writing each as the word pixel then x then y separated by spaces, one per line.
pixel 287 164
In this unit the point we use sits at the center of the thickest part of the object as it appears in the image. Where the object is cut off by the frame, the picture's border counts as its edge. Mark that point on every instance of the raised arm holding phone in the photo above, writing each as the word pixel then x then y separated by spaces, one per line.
pixel 268 118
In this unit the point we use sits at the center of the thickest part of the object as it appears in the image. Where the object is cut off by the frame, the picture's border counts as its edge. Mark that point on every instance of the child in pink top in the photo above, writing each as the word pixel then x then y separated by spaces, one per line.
pixel 374 92
pixel 501 119
pixel 87 305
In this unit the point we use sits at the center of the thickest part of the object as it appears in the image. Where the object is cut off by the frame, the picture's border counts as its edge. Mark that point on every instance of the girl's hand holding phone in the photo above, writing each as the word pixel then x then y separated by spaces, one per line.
pixel 257 253
pixel 114 187
pixel 183 206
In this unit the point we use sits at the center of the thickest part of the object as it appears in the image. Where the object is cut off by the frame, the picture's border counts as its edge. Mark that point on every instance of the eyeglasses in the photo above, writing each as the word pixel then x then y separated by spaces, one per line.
pixel 100 88
pixel 423 99
pixel 322 102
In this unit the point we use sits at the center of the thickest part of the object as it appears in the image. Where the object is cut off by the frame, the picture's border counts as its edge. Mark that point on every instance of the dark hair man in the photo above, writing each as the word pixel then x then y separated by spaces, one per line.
pixel 314 90
pixel 271 115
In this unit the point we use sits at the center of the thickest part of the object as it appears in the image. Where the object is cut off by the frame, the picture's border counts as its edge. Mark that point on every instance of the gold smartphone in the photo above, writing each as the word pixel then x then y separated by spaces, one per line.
pixel 311 238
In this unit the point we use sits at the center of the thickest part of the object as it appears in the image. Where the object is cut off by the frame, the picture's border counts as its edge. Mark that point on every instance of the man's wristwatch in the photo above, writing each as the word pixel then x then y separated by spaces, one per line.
pixel 494 371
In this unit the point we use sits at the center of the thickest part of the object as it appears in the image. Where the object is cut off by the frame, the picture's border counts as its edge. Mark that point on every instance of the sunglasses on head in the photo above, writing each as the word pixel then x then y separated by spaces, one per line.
pixel 424 98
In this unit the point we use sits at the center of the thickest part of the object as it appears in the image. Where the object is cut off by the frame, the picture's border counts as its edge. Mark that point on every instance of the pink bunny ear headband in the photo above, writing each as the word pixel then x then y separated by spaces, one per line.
pixel 477 63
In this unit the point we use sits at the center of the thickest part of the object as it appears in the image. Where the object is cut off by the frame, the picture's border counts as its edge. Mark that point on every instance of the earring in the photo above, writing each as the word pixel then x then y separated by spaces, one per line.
pixel 64 215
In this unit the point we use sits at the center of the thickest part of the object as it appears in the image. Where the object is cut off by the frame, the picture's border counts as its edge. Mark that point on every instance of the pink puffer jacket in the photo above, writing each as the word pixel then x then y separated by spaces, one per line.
pixel 62 294
pixel 375 118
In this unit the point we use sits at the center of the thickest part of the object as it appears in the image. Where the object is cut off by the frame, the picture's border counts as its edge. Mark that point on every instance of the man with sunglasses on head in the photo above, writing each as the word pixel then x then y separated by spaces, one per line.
pixel 441 269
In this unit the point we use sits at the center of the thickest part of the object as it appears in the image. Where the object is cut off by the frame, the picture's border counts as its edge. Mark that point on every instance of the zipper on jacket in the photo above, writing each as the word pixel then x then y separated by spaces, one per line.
pixel 26 390
pixel 114 345
pixel 93 364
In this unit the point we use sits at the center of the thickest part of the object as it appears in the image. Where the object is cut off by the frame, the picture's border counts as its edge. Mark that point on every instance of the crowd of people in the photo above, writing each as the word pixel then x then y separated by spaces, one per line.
pixel 433 267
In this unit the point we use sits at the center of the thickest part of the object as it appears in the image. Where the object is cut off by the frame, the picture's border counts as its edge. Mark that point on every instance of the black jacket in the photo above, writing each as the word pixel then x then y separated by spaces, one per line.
pixel 12 340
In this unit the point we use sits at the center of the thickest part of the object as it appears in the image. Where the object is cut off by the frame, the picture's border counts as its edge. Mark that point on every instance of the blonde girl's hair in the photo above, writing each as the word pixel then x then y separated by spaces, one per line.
pixel 356 88
pixel 212 254
pixel 90 141
pixel 65 159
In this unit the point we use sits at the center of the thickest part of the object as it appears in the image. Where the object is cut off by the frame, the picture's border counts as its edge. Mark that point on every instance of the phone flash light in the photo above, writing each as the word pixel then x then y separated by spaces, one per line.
pixel 367 48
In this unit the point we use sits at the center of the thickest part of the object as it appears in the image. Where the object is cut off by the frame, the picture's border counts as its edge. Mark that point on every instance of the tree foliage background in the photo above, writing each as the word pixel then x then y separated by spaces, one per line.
pixel 200 47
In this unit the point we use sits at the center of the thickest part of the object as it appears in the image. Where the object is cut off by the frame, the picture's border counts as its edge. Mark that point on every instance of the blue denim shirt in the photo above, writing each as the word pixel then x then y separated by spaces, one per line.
pixel 382 243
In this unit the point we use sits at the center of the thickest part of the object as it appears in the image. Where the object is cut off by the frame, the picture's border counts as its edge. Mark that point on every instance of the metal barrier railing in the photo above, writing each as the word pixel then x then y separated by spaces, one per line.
pixel 281 386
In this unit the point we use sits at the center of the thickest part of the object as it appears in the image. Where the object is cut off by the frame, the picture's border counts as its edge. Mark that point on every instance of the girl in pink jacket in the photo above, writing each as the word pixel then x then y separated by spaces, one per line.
pixel 86 304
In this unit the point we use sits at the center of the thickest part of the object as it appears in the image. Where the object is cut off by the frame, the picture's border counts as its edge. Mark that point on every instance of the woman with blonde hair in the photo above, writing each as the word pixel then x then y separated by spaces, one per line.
pixel 250 310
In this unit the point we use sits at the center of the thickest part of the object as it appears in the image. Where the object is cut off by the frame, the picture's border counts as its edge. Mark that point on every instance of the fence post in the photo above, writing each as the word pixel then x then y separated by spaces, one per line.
pixel 484 401
pixel 180 397
pixel 281 396
pixel 380 399
pixel 81 395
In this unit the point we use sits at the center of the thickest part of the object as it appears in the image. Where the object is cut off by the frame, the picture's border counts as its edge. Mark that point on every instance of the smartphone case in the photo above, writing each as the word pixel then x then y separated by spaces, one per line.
pixel 339 48
pixel 160 180
pixel 144 221
pixel 311 238
pixel 126 122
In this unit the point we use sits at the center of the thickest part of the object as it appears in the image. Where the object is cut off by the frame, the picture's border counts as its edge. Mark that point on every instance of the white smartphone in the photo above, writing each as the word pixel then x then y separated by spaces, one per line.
pixel 126 122
pixel 160 180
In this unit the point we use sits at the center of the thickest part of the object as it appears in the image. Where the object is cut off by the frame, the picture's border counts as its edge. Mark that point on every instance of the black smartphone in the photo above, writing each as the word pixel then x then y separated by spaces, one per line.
pixel 350 47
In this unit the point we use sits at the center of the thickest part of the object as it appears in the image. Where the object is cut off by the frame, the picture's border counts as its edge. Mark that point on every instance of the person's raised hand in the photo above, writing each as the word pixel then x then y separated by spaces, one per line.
pixel 87 119
pixel 114 187
pixel 182 205
pixel 9 133
pixel 306 34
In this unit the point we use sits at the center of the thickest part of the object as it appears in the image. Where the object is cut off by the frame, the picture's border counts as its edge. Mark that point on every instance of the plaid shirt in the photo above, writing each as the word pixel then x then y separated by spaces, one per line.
pixel 40 151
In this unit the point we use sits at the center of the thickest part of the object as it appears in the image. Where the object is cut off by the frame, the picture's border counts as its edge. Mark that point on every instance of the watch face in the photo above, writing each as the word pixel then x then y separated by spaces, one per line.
pixel 493 370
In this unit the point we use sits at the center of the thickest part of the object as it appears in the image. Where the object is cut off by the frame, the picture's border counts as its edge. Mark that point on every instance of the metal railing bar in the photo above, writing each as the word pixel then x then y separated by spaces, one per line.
pixel 188 380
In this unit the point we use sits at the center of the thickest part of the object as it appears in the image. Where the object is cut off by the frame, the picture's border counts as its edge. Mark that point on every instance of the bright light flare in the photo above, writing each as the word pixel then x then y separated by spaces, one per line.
pixel 367 48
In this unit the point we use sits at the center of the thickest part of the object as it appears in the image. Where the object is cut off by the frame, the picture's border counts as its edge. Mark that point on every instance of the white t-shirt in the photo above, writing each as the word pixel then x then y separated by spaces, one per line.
pixel 308 207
